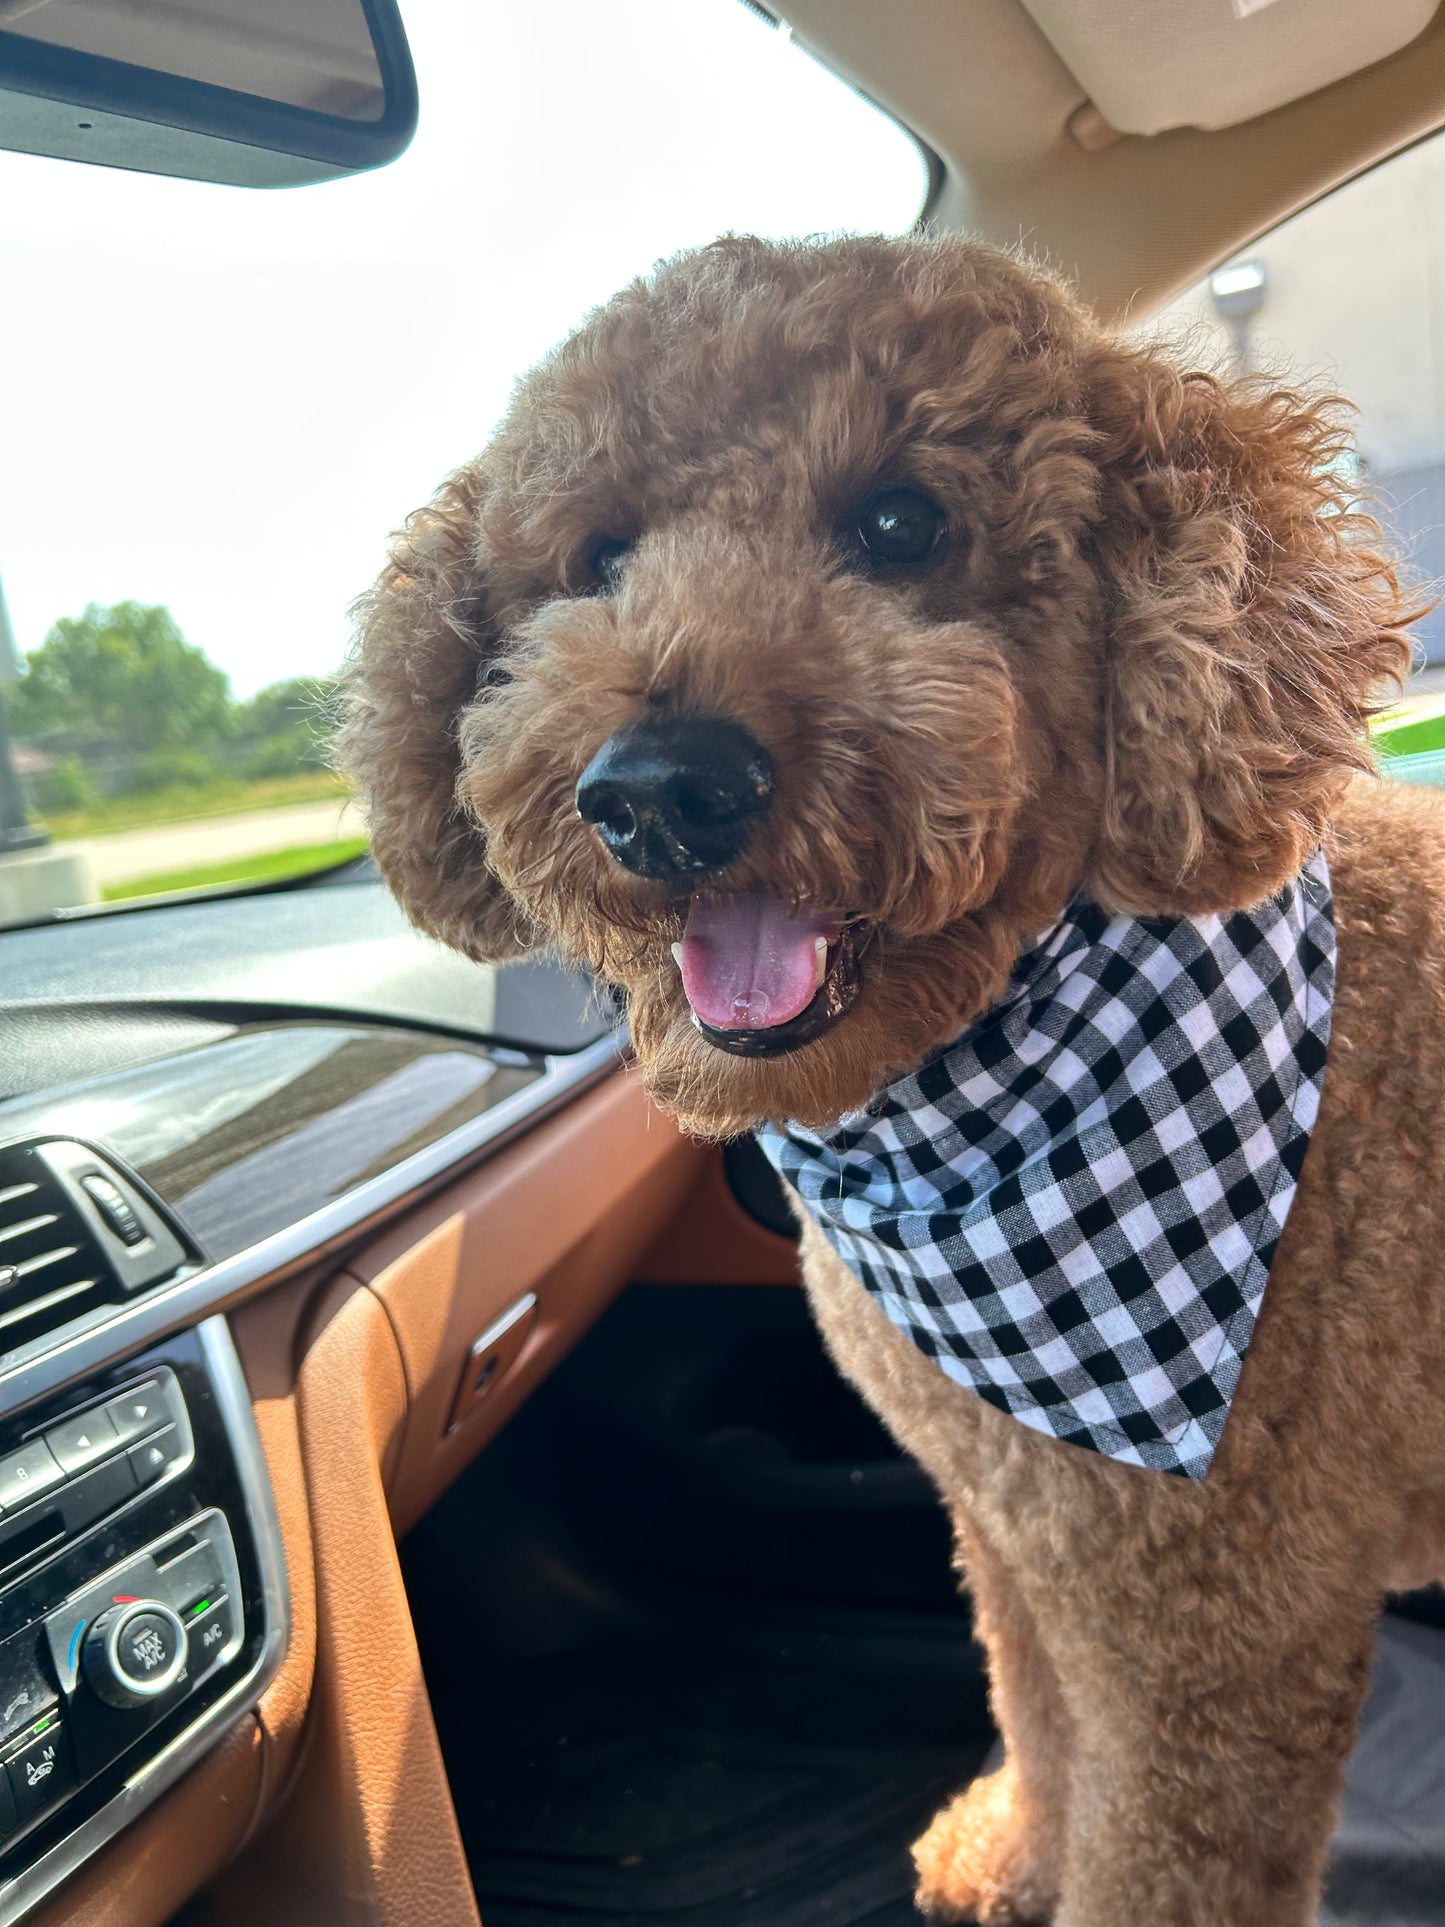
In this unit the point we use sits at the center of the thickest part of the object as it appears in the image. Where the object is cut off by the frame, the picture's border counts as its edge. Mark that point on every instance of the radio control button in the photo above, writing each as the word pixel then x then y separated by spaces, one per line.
pixel 134 1653
pixel 79 1442
pixel 153 1460
pixel 41 1772
pixel 137 1412
pixel 25 1474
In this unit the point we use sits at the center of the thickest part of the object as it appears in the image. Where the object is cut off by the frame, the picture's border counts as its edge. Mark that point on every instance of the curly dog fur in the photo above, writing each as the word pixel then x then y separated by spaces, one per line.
pixel 1143 662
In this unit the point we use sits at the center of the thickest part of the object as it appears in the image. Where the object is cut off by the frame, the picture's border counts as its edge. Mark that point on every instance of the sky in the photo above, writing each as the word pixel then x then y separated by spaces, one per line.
pixel 223 399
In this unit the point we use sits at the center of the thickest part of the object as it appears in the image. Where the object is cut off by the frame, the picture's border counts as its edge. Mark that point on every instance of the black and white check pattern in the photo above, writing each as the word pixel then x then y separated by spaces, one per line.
pixel 1074 1207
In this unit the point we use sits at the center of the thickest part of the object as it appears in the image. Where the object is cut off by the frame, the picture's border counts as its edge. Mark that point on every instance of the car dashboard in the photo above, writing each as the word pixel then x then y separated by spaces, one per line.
pixel 273 1268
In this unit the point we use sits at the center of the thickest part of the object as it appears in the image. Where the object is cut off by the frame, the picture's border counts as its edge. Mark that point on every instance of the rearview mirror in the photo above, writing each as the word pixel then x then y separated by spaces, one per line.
pixel 258 93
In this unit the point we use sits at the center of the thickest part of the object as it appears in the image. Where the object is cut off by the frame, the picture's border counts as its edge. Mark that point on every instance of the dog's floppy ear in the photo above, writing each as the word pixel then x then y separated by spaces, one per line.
pixel 1251 629
pixel 423 640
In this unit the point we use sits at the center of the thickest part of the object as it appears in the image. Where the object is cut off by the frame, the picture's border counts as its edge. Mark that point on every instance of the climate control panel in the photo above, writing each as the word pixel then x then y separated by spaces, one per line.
pixel 142 1601
pixel 109 1660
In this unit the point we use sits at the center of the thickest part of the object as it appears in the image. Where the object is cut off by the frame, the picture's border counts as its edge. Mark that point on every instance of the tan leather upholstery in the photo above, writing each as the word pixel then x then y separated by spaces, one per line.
pixel 566 1213
pixel 366 1836
pixel 144 1875
pixel 711 1240
pixel 333 1794
pixel 265 1332
pixel 358 1395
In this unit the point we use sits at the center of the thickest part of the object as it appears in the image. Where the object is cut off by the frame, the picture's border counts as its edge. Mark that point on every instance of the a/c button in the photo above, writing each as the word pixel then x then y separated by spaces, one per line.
pixel 210 1632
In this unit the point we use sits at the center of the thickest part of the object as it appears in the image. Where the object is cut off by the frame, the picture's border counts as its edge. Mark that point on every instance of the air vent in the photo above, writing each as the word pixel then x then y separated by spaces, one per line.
pixel 75 1236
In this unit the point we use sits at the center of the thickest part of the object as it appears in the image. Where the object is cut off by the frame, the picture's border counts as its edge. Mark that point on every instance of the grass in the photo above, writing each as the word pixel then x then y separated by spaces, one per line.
pixel 228 798
pixel 1413 729
pixel 242 869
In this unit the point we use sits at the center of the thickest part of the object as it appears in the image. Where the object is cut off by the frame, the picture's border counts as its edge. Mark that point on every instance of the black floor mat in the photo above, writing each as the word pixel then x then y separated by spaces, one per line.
pixel 636 1790
pixel 643 1791
pixel 675 1691
pixel 1388 1864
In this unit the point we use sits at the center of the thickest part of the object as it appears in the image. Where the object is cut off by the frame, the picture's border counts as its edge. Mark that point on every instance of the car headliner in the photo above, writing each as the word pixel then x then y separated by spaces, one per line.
pixel 1134 218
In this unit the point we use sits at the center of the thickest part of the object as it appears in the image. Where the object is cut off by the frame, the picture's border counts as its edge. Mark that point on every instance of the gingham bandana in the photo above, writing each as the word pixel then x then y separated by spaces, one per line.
pixel 1074 1207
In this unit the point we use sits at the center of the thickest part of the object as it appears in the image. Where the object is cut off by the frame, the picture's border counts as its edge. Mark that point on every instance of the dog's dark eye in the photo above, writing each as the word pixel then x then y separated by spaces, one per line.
pixel 605 559
pixel 900 526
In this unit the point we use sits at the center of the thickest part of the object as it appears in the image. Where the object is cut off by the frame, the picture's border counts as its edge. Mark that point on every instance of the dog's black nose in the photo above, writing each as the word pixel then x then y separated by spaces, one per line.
pixel 676 798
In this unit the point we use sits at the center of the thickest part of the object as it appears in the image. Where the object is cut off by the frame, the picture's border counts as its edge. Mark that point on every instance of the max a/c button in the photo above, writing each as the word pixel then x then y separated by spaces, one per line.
pixel 41 1772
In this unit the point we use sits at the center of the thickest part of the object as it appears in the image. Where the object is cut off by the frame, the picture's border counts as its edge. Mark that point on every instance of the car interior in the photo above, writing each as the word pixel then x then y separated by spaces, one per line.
pixel 423 1496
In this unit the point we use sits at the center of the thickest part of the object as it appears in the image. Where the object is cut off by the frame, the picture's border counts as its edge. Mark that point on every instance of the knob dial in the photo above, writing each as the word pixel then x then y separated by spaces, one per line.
pixel 134 1653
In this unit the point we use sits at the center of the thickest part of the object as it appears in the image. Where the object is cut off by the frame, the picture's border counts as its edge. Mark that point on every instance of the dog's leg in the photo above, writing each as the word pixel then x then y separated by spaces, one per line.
pixel 991 1855
pixel 1211 1737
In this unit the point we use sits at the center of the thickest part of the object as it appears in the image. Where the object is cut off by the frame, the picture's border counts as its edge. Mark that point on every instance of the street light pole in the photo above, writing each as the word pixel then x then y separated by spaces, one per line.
pixel 1237 294
pixel 17 832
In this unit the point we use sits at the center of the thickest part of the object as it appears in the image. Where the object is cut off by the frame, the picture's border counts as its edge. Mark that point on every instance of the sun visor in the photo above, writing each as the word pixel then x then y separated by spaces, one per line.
pixel 1149 65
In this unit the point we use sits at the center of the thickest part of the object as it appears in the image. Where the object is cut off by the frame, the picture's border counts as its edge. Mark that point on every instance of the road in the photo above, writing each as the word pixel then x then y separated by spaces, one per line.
pixel 128 854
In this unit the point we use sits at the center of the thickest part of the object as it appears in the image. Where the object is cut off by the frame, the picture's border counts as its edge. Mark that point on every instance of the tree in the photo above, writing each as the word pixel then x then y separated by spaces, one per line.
pixel 286 726
pixel 283 707
pixel 125 676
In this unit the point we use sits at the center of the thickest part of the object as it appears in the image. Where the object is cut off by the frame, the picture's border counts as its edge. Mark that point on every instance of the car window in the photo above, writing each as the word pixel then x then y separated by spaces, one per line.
pixel 1350 296
pixel 220 401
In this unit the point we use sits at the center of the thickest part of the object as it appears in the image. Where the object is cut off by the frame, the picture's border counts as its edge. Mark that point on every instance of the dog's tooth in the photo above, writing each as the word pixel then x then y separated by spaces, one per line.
pixel 820 961
pixel 677 955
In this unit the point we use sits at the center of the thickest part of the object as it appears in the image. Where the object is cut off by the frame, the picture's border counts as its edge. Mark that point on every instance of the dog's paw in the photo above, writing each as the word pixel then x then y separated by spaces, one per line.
pixel 974 1865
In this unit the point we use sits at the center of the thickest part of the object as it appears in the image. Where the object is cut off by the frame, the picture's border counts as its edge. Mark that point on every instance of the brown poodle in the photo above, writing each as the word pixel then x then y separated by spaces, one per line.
pixel 826 626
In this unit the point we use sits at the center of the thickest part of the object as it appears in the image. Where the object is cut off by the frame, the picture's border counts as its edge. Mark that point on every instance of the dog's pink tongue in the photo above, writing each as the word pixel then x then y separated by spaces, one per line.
pixel 748 962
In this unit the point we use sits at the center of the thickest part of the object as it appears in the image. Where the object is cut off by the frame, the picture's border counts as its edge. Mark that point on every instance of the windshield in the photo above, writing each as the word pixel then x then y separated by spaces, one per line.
pixel 220 401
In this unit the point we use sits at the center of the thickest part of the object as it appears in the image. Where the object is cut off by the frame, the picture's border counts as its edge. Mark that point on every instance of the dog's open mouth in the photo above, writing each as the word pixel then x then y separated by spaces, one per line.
pixel 762 978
